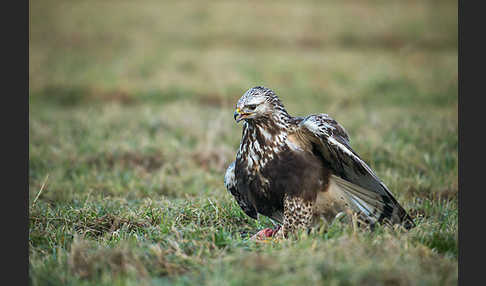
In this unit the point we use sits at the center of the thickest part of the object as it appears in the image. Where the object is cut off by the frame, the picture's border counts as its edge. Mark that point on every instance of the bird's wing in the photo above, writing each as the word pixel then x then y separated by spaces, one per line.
pixel 241 198
pixel 366 193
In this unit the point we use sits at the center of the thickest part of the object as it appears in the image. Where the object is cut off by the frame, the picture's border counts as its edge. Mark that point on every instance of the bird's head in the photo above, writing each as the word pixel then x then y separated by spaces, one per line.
pixel 257 103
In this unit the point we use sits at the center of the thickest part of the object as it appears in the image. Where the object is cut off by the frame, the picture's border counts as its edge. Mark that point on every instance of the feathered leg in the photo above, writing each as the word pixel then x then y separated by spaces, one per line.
pixel 298 214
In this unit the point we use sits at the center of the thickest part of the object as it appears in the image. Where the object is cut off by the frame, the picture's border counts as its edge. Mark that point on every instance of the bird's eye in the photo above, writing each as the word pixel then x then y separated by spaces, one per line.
pixel 252 106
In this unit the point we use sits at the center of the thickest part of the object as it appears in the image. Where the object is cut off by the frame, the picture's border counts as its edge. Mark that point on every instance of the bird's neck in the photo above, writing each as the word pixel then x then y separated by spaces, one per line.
pixel 265 133
pixel 268 130
pixel 277 121
pixel 262 140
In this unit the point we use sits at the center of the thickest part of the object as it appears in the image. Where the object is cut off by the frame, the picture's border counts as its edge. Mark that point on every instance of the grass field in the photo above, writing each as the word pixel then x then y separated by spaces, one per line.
pixel 131 130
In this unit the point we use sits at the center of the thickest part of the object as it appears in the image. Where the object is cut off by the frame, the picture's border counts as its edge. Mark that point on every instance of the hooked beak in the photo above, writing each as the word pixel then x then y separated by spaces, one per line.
pixel 238 115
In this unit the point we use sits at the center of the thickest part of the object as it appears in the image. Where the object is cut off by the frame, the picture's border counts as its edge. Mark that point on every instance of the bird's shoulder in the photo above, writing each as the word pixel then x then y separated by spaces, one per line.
pixel 322 125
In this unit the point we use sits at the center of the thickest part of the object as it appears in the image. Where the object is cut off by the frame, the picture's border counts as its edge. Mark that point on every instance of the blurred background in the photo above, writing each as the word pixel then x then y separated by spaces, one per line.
pixel 212 50
pixel 132 101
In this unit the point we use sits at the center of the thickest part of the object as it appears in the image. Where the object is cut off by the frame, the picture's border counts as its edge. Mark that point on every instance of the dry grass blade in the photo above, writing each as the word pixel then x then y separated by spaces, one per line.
pixel 40 191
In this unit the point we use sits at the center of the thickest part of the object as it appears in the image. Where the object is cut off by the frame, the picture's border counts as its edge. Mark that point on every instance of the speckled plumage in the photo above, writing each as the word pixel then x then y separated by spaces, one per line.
pixel 297 169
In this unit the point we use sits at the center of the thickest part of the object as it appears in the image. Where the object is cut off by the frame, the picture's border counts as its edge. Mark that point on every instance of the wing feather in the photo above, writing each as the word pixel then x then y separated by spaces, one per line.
pixel 366 192
pixel 242 199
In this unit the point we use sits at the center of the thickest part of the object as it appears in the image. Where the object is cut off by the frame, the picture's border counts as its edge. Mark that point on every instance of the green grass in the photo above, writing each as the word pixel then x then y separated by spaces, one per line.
pixel 131 128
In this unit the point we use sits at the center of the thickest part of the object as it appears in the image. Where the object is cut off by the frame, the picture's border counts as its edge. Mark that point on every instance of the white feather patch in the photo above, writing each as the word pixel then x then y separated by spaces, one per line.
pixel 348 152
pixel 293 146
pixel 265 134
pixel 229 177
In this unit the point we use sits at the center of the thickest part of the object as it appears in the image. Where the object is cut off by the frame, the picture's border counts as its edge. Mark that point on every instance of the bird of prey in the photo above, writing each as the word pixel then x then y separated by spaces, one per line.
pixel 297 170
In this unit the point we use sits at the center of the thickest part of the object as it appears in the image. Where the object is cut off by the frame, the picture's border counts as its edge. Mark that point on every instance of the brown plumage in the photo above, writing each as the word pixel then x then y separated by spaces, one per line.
pixel 296 170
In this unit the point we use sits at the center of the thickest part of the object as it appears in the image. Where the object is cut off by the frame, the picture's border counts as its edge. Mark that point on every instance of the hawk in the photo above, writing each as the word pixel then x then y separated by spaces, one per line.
pixel 297 170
